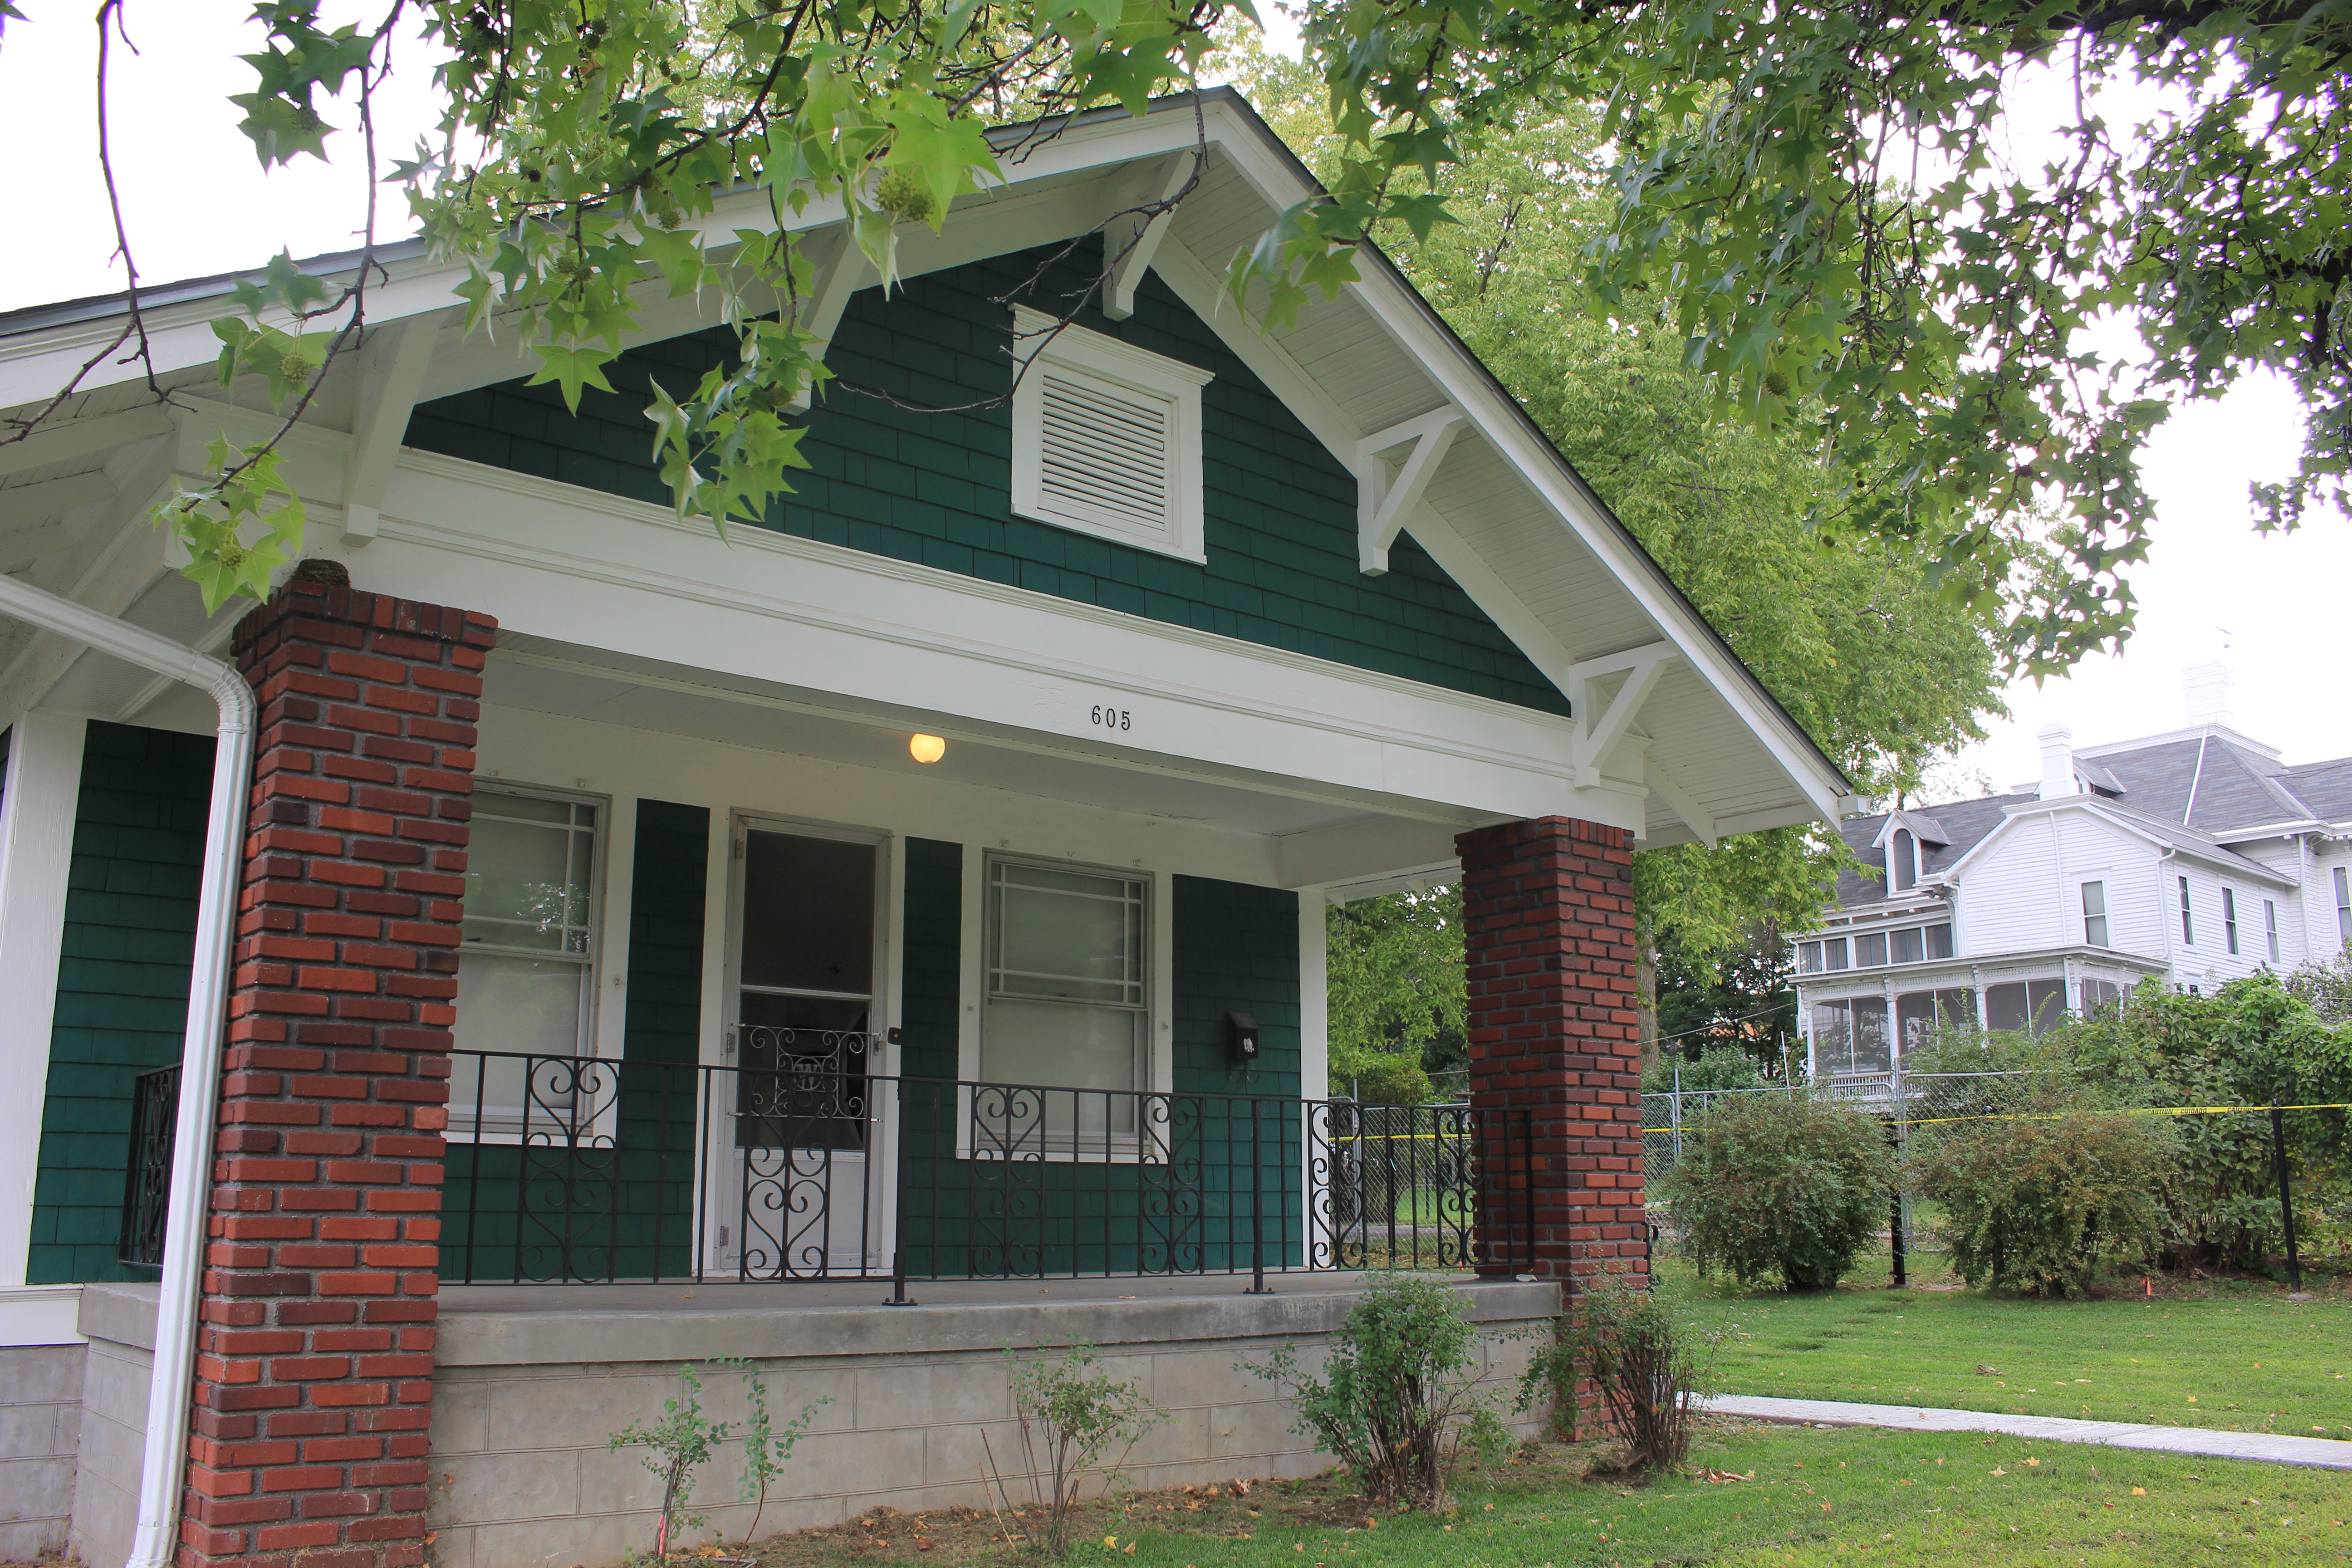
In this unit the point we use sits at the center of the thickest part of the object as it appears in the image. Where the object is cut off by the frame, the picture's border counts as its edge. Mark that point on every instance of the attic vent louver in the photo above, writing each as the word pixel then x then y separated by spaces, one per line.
pixel 1106 451
pixel 1107 438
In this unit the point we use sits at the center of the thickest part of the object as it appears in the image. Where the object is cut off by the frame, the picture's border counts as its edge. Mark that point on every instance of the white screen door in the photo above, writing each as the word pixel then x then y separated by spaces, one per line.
pixel 797 1119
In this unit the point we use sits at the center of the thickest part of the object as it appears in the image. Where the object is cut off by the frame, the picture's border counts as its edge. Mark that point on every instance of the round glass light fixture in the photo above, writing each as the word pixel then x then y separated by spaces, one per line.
pixel 926 748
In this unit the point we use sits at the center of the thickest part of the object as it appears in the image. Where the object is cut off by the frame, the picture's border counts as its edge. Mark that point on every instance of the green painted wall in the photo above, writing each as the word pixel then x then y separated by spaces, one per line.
pixel 123 983
pixel 1280 512
pixel 627 1210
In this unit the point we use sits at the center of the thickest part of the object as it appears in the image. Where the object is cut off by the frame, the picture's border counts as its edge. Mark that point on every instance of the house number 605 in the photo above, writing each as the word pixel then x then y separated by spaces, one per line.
pixel 1113 718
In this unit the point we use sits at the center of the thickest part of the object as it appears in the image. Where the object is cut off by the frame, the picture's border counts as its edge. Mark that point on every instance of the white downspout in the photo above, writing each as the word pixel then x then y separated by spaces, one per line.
pixel 164 1459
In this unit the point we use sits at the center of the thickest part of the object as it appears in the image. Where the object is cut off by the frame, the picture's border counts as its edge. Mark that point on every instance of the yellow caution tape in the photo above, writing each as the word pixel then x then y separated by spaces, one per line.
pixel 2073 1115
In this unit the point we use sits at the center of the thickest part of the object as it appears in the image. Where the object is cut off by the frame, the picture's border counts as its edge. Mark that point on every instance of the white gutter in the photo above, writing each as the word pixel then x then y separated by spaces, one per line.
pixel 165 1460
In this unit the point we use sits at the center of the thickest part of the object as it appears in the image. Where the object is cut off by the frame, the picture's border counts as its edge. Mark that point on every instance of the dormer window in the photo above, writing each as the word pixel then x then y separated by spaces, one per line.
pixel 1902 861
pixel 1107 438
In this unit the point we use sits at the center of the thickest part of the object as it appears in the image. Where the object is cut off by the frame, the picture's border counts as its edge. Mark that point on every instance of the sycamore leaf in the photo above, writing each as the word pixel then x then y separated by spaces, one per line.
pixel 572 369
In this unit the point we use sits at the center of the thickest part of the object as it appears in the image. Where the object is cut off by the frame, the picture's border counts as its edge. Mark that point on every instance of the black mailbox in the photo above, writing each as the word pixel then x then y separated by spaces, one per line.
pixel 1241 1038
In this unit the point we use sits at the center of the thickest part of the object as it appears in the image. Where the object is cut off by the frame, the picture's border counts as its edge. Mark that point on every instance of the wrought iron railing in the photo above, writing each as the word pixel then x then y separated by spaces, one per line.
pixel 796 1162
pixel 147 1181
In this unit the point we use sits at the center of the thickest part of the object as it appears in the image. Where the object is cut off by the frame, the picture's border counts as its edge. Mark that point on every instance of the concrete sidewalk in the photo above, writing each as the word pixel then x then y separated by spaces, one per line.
pixel 2324 1453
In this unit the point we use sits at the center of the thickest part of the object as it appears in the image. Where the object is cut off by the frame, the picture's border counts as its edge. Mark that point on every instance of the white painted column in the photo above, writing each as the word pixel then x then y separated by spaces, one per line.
pixel 37 825
pixel 1314 1001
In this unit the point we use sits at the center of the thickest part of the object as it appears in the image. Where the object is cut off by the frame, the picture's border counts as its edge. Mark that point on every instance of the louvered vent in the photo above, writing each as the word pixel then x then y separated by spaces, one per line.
pixel 1106 451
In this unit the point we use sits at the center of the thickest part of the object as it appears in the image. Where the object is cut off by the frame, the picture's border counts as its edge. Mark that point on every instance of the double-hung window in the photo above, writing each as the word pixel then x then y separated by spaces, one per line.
pixel 2094 914
pixel 2343 906
pixel 1067 1006
pixel 2188 921
pixel 2270 928
pixel 2229 918
pixel 525 973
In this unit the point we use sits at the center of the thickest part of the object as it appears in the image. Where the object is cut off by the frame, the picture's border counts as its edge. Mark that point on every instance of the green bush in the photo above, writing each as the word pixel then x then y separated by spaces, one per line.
pixel 1717 1067
pixel 1398 1397
pixel 1782 1184
pixel 1379 1077
pixel 2042 1199
pixel 2253 1043
pixel 1648 1365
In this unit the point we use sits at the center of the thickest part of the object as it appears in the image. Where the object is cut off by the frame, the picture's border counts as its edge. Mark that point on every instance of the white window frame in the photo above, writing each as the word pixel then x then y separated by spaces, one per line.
pixel 2105 929
pixel 2270 928
pixel 2343 906
pixel 1158 987
pixel 593 986
pixel 2188 919
pixel 1039 344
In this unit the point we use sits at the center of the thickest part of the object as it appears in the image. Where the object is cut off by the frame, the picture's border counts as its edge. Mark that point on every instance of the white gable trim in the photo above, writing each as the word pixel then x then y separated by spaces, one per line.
pixel 2226 863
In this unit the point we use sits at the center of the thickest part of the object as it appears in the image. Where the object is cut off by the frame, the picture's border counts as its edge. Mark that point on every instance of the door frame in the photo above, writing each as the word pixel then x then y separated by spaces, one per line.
pixel 722 1198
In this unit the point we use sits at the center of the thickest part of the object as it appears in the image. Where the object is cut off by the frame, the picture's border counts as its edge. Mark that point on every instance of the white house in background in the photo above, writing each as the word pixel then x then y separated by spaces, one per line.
pixel 2194 856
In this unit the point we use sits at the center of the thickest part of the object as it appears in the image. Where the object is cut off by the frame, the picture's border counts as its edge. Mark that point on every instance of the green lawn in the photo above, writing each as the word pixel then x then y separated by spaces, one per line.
pixel 2237 1357
pixel 1900 1499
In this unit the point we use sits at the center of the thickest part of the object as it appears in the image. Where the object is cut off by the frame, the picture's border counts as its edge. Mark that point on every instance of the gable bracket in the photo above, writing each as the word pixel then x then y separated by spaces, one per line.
pixel 1696 817
pixel 840 272
pixel 392 378
pixel 1643 667
pixel 1132 239
pixel 1382 507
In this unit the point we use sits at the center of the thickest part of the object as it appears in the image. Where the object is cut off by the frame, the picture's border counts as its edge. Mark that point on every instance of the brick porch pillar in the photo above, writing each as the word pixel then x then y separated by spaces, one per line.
pixel 1547 918
pixel 314 1366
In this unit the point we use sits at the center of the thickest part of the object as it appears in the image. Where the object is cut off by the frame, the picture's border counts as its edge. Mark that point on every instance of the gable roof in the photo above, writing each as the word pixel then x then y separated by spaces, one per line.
pixel 1705 749
pixel 1962 823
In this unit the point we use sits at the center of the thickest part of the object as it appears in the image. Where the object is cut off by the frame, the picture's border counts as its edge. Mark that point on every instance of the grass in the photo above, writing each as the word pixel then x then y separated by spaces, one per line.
pixel 2224 1354
pixel 1802 1497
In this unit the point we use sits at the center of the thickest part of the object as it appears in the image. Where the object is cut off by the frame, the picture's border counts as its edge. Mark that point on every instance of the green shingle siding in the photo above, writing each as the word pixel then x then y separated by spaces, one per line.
pixel 935 489
pixel 123 983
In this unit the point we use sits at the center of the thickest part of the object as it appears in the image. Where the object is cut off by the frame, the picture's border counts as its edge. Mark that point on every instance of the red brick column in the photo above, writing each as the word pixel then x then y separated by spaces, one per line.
pixel 1547 917
pixel 314 1364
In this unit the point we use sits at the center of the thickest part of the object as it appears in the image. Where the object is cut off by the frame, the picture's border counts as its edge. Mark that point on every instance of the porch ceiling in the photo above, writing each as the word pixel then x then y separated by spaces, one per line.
pixel 548 675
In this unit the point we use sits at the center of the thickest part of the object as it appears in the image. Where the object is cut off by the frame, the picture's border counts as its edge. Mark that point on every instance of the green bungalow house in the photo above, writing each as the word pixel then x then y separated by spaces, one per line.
pixel 882 935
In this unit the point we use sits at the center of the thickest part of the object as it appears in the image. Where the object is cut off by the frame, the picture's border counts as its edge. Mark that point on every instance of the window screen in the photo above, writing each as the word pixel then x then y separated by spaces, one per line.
pixel 1869 950
pixel 523 972
pixel 1808 958
pixel 1939 940
pixel 2025 1006
pixel 1918 1014
pixel 2100 996
pixel 1835 951
pixel 1067 994
pixel 2095 914
pixel 1906 946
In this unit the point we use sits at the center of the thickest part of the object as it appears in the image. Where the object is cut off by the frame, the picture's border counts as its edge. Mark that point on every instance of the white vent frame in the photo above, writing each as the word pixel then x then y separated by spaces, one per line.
pixel 1114 367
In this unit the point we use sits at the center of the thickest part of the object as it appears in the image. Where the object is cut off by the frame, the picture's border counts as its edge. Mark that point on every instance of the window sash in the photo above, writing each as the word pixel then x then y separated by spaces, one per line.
pixel 2270 927
pixel 2094 914
pixel 2188 921
pixel 1096 1019
pixel 2229 918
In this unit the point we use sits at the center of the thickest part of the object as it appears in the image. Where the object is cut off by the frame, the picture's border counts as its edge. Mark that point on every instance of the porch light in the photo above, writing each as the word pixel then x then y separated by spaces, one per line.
pixel 926 748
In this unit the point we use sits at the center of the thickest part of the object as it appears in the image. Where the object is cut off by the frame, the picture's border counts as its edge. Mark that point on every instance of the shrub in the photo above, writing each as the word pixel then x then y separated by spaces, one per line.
pixel 1782 1184
pixel 1379 1077
pixel 2253 1043
pixel 1398 1397
pixel 684 1439
pixel 2042 1203
pixel 1717 1067
pixel 1648 1365
pixel 1072 1413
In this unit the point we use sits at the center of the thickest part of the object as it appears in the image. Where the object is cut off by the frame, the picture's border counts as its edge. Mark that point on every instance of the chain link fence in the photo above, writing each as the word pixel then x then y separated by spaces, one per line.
pixel 1905 1100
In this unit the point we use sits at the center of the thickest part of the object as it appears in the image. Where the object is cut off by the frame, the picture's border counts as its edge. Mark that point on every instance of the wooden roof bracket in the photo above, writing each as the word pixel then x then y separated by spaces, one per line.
pixel 1382 507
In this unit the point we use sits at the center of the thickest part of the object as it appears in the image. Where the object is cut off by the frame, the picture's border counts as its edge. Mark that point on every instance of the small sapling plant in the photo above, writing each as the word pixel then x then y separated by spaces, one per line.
pixel 685 1438
pixel 1072 1413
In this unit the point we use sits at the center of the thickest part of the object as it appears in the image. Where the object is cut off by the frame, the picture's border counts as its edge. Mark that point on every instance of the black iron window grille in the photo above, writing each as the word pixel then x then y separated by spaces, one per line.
pixel 147 1182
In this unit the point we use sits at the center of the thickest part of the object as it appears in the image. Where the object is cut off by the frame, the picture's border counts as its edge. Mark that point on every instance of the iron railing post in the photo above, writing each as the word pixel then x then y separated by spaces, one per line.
pixel 1258 1204
pixel 897 1297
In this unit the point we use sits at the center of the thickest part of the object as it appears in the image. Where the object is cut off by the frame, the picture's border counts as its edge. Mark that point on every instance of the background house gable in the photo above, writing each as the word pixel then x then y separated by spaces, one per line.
pixel 1281 525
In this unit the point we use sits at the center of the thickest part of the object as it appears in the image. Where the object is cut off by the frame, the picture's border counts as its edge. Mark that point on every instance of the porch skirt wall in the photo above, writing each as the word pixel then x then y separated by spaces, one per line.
pixel 530 1384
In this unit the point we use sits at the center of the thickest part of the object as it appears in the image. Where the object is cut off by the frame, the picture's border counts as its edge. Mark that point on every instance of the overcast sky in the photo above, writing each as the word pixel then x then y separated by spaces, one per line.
pixel 196 203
